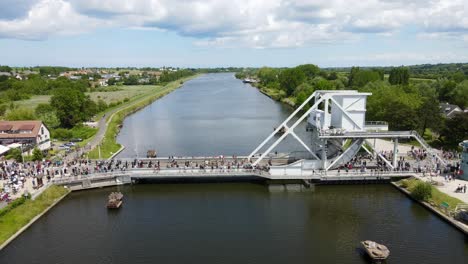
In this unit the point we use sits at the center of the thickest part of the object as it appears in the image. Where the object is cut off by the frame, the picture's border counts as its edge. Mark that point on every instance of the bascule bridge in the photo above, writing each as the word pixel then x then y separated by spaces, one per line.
pixel 336 121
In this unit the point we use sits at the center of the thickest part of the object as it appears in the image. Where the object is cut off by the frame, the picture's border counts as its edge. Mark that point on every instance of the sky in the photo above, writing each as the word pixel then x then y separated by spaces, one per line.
pixel 241 33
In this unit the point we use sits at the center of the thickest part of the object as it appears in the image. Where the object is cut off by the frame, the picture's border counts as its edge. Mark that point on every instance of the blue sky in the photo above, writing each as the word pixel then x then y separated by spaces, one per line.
pixel 212 33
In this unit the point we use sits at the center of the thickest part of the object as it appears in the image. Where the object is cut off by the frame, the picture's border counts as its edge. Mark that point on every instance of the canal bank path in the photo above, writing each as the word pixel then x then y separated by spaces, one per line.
pixel 104 121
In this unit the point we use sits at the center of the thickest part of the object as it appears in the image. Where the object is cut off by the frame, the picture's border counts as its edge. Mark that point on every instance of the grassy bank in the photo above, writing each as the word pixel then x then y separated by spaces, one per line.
pixel 21 212
pixel 436 197
pixel 109 146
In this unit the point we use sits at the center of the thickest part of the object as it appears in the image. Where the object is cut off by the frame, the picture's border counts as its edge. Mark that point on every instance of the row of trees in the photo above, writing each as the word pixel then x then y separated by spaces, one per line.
pixel 405 105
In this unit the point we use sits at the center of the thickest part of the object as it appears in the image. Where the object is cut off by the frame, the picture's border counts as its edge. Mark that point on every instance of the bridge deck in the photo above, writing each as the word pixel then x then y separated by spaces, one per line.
pixel 123 177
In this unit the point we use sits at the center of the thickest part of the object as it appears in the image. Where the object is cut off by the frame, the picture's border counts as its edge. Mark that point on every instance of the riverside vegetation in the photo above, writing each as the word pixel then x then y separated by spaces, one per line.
pixel 406 103
pixel 424 191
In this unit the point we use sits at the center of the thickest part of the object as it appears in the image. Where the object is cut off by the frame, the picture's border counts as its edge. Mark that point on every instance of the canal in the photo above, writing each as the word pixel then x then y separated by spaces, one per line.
pixel 236 223
pixel 214 114
pixel 229 222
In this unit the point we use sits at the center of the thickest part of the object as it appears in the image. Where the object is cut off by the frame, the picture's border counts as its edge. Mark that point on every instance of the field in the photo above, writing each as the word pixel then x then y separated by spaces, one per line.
pixel 123 92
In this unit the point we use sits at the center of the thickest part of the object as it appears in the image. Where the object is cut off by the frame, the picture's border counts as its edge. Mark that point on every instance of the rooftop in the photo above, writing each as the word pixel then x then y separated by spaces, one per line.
pixel 19 129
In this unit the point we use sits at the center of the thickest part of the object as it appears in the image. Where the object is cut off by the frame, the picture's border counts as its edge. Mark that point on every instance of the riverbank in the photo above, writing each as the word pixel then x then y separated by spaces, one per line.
pixel 108 145
pixel 19 215
pixel 434 202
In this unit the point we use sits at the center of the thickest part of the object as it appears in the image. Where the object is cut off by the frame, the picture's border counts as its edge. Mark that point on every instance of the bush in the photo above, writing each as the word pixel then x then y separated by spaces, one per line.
pixel 61 133
pixel 404 184
pixel 422 191
pixel 13 205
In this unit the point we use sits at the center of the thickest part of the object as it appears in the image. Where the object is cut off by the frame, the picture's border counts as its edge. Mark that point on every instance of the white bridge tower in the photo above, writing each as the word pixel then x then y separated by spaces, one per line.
pixel 337 123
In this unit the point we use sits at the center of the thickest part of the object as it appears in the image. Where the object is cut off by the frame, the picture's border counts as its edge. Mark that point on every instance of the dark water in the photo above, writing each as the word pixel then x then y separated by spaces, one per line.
pixel 211 115
pixel 236 223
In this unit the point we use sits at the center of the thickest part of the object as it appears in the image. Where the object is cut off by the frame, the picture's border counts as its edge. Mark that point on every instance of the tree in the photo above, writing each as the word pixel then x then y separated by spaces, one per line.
pixel 289 79
pixel 429 115
pixel 459 95
pixel 37 154
pixel 15 154
pixel 72 106
pixel 5 69
pixel 309 70
pixel 422 191
pixel 359 78
pixel 399 76
pixel 456 129
pixel 267 75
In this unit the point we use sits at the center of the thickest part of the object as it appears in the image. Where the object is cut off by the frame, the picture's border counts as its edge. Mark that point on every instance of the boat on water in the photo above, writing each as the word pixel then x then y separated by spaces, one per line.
pixel 375 250
pixel 151 153
pixel 248 80
pixel 114 200
pixel 281 131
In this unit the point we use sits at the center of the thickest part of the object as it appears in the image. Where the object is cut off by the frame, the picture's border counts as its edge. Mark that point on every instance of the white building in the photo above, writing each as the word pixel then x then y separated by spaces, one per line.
pixel 27 133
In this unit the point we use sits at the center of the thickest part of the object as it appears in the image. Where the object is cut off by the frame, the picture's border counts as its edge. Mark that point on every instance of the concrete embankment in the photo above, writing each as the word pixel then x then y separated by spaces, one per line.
pixel 450 220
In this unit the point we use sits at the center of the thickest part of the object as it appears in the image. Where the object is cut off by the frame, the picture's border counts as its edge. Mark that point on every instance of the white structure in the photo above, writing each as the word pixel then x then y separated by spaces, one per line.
pixel 337 123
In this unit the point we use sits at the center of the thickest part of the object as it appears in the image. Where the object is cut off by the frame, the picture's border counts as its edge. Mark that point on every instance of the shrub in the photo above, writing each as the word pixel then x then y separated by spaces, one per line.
pixel 13 205
pixel 422 191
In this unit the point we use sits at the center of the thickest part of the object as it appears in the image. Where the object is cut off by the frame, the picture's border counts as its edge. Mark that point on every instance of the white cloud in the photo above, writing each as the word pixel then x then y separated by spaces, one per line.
pixel 46 18
pixel 259 24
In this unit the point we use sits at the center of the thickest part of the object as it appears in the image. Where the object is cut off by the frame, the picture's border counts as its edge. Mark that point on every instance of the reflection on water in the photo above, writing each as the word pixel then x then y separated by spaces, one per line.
pixel 236 223
pixel 210 115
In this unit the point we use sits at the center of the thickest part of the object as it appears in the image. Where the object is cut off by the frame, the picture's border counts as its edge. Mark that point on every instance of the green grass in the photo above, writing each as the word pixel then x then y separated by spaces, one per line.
pixel 108 145
pixel 123 92
pixel 33 102
pixel 17 217
pixel 437 197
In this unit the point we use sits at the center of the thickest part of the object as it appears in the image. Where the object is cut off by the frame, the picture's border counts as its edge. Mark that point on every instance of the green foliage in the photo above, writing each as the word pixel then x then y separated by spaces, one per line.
pixel 17 202
pixel 79 131
pixel 393 104
pixel 20 114
pixel 52 70
pixel 15 154
pixel 309 70
pixel 359 77
pixel 456 129
pixel 37 154
pixel 422 191
pixel 267 76
pixel 289 79
pixel 61 133
pixel 72 106
pixel 399 76
pixel 131 80
pixel 460 94
pixel 46 113
pixel 5 69
pixel 3 109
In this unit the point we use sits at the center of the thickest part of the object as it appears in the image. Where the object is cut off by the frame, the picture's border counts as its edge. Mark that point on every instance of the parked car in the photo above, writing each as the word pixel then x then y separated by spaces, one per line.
pixel 76 140
pixel 70 144
pixel 63 147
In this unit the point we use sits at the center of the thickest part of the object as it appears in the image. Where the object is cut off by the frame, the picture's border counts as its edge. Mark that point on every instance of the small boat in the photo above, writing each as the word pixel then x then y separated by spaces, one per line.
pixel 248 80
pixel 114 200
pixel 375 250
pixel 281 131
pixel 151 153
